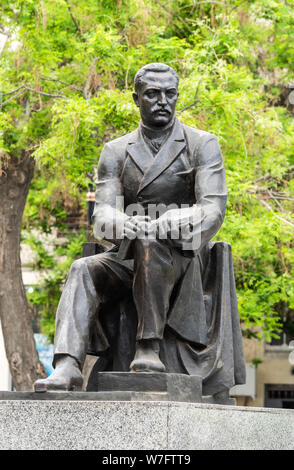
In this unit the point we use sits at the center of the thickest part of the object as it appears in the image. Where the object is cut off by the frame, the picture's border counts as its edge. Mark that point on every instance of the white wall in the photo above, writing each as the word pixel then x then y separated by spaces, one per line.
pixel 5 377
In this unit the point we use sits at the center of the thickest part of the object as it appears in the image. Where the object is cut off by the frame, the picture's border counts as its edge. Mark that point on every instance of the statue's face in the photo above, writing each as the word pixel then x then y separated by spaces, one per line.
pixel 157 98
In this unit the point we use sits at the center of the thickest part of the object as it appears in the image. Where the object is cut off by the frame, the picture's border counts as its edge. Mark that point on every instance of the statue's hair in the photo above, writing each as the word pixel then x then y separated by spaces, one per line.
pixel 154 67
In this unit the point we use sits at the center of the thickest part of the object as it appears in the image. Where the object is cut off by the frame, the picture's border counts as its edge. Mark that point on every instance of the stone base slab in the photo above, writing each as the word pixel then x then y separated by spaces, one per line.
pixel 171 387
pixel 68 424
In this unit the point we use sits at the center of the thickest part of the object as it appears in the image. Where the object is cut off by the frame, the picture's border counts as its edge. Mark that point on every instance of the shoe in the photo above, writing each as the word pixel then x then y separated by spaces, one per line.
pixel 147 357
pixel 65 377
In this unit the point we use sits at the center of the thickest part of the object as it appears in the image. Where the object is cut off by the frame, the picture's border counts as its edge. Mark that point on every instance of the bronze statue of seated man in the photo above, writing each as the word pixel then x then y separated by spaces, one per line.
pixel 160 198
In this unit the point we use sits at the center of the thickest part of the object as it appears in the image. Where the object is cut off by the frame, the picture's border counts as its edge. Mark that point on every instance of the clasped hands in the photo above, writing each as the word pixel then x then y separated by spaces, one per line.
pixel 175 224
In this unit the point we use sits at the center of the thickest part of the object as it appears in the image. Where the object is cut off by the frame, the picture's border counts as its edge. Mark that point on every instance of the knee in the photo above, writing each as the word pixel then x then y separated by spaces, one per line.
pixel 149 250
pixel 145 248
pixel 94 267
pixel 79 266
pixel 147 243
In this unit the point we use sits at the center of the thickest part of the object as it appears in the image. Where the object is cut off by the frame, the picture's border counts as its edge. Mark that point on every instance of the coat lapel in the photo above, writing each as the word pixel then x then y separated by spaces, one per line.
pixel 140 152
pixel 169 151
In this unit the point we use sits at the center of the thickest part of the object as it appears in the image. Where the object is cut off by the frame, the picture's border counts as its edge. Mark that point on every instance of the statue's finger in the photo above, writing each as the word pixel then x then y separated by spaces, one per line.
pixel 131 234
pixel 130 226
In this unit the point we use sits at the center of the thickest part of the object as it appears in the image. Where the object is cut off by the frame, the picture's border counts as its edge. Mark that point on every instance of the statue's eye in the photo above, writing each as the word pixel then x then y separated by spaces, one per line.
pixel 151 94
pixel 171 94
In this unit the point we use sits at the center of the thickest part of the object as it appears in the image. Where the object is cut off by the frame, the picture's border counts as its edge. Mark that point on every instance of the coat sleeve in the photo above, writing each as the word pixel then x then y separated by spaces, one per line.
pixel 210 188
pixel 207 215
pixel 108 213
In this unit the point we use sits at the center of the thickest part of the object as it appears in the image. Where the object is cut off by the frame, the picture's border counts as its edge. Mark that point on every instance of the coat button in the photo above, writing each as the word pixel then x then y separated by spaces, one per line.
pixel 140 198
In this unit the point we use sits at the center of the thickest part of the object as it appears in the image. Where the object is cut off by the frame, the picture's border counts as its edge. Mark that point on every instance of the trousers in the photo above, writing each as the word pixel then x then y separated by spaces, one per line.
pixel 95 280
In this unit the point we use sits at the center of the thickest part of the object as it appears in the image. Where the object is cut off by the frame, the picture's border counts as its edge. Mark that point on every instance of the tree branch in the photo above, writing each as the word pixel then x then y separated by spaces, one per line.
pixel 171 14
pixel 276 200
pixel 189 106
pixel 268 177
pixel 63 83
pixel 86 91
pixel 12 91
pixel 12 98
pixel 127 76
pixel 271 194
pixel 74 21
pixel 266 204
pixel 51 95
pixel 211 1
pixel 25 87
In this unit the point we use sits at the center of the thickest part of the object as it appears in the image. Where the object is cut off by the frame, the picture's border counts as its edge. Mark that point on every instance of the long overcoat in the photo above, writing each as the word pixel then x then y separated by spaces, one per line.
pixel 203 334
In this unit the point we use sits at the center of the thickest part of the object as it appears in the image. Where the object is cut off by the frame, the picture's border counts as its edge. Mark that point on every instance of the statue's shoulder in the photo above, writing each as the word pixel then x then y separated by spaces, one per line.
pixel 119 144
pixel 197 140
pixel 113 154
pixel 197 135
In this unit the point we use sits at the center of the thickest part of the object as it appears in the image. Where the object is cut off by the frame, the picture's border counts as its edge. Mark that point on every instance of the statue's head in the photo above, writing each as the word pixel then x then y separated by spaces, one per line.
pixel 156 93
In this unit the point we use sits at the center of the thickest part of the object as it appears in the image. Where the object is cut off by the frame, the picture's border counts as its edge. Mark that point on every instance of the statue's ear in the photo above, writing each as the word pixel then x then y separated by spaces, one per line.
pixel 136 99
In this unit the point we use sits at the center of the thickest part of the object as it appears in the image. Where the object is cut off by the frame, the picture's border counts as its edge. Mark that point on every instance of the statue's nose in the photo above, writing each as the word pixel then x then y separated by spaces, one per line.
pixel 162 99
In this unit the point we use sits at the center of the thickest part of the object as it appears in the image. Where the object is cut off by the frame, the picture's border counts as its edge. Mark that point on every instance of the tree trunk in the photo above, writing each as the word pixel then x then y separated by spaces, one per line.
pixel 15 316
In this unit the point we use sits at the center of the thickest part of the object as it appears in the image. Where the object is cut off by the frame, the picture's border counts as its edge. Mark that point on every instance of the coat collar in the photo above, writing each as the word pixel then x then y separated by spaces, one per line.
pixel 150 166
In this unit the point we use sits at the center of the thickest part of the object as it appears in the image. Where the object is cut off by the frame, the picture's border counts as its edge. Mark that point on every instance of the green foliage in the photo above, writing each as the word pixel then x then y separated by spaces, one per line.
pixel 54 264
pixel 76 61
pixel 256 361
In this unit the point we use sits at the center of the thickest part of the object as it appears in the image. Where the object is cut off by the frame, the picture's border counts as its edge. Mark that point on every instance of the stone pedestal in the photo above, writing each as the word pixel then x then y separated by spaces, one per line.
pixel 170 387
pixel 77 421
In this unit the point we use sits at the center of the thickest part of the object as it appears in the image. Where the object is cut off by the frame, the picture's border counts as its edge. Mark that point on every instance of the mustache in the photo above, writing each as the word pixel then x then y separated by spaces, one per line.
pixel 161 109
